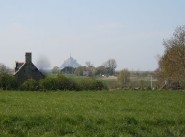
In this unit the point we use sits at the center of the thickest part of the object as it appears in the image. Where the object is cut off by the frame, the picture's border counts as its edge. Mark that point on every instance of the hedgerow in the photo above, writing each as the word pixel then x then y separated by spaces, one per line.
pixel 62 83
pixel 59 83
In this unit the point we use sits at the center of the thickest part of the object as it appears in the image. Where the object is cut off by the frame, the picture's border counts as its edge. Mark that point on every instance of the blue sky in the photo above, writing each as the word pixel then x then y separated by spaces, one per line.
pixel 130 31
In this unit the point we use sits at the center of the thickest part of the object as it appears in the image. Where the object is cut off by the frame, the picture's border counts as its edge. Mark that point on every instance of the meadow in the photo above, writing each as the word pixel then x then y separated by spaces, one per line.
pixel 91 113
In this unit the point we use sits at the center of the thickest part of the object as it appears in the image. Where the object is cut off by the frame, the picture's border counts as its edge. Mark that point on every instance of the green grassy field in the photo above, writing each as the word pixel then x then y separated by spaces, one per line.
pixel 113 113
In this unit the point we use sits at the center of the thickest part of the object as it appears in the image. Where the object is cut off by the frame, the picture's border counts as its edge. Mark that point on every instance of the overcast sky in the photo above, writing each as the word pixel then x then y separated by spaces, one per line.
pixel 129 31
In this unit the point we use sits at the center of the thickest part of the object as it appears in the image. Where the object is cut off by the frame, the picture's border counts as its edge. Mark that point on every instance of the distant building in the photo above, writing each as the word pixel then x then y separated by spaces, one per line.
pixel 69 66
pixel 68 70
pixel 27 70
pixel 70 62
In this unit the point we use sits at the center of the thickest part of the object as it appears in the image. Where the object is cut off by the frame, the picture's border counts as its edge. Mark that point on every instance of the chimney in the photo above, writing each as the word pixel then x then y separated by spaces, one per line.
pixel 28 57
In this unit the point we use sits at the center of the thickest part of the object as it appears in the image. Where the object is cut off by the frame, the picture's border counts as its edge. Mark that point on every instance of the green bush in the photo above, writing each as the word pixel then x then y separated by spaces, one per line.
pixel 7 81
pixel 65 83
pixel 48 84
pixel 59 83
pixel 30 85
pixel 91 84
pixel 100 85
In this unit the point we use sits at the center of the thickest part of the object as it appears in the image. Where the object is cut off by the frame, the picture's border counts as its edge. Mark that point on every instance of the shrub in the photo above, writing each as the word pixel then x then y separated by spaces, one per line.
pixel 91 84
pixel 100 85
pixel 48 84
pixel 30 85
pixel 7 81
pixel 59 83
pixel 64 83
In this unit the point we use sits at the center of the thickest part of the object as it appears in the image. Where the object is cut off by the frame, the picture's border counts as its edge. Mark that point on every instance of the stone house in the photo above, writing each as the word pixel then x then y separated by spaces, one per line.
pixel 27 70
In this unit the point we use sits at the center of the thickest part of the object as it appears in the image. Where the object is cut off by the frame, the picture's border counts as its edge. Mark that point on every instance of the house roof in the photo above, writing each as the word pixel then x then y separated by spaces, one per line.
pixel 19 64
pixel 19 67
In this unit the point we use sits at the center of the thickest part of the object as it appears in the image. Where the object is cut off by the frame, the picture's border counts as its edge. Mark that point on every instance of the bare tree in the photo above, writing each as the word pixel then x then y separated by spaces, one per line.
pixel 124 77
pixel 110 65
pixel 100 71
pixel 90 68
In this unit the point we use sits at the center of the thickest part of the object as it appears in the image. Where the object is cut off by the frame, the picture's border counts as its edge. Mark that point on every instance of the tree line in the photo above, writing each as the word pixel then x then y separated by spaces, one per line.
pixel 106 69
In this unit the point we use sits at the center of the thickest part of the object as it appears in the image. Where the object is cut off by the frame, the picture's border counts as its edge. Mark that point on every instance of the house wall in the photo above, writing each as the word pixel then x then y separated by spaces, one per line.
pixel 28 71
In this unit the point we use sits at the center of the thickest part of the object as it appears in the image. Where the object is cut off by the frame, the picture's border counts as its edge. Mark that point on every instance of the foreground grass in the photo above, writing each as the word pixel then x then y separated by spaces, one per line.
pixel 115 113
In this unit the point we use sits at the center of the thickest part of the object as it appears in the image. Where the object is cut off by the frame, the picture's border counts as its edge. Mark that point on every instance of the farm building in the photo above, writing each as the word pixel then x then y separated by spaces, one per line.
pixel 27 70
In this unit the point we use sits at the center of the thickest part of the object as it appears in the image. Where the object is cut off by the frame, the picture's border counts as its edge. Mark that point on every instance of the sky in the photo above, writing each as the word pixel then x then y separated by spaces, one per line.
pixel 129 31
